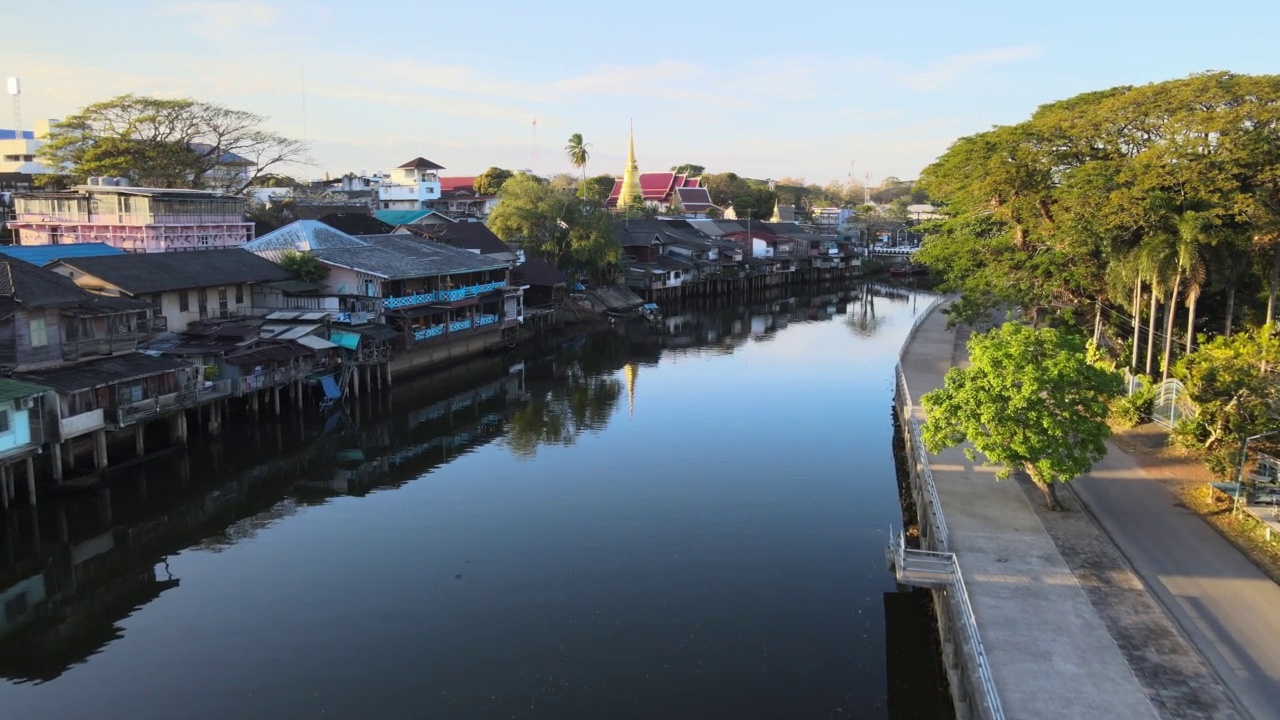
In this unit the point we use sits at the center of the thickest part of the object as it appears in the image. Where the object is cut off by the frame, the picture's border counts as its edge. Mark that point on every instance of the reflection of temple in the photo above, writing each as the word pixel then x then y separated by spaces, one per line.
pixel 631 369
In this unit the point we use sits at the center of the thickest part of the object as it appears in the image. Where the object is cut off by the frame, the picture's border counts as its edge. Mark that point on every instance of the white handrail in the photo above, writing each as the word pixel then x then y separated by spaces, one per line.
pixel 981 680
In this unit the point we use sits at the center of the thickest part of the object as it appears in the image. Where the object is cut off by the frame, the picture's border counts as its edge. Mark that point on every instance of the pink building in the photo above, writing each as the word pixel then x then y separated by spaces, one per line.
pixel 133 219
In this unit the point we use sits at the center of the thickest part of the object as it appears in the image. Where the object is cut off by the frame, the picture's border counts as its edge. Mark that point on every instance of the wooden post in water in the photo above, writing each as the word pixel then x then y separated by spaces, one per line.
pixel 139 440
pixel 31 483
pixel 100 450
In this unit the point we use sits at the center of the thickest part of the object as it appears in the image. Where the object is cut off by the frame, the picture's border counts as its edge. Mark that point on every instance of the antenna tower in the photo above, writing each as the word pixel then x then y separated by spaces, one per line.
pixel 533 150
pixel 866 191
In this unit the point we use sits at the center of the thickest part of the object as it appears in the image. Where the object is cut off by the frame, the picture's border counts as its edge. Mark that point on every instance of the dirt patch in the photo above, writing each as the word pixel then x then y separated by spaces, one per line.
pixel 1188 477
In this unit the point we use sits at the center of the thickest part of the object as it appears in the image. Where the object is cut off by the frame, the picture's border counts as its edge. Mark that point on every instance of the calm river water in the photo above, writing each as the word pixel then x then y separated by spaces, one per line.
pixel 637 524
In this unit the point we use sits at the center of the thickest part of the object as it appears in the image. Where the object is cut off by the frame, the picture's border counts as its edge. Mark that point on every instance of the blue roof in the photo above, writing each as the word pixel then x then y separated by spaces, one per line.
pixel 44 254
pixel 405 217
pixel 13 134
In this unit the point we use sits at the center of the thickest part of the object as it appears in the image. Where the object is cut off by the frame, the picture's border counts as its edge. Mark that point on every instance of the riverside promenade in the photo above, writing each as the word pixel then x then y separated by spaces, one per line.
pixel 1050 652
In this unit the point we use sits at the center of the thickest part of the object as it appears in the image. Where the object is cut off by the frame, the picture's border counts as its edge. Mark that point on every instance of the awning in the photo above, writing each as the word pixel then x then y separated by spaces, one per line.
pixel 315 343
pixel 342 338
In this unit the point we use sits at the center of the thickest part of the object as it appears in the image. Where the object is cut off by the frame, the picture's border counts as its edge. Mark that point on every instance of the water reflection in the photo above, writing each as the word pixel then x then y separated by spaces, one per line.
pixel 76 572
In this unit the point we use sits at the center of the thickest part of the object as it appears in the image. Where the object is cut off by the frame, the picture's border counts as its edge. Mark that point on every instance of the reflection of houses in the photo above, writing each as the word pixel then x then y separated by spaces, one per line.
pixel 182 288
pixel 132 218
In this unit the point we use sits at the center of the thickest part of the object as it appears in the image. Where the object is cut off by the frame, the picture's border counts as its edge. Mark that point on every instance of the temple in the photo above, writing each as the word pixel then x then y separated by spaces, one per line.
pixel 664 191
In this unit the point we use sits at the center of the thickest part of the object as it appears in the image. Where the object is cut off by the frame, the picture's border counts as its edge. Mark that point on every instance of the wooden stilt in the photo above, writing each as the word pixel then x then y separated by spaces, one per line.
pixel 31 481
pixel 100 450
pixel 139 440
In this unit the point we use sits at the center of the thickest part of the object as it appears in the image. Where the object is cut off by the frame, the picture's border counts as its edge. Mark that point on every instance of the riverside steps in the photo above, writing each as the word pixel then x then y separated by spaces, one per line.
pixel 1038 638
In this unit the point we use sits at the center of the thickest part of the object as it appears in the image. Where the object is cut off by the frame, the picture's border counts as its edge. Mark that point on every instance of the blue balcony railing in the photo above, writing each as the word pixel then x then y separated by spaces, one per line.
pixel 430 332
pixel 459 325
pixel 486 320
pixel 454 295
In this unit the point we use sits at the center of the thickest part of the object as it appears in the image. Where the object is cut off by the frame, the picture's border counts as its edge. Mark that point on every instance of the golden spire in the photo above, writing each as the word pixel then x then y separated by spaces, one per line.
pixel 631 389
pixel 631 175
pixel 777 211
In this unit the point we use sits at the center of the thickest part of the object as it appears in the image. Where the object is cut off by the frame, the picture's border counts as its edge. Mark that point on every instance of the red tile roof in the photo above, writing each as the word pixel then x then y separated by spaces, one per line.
pixel 448 184
pixel 421 163
pixel 657 186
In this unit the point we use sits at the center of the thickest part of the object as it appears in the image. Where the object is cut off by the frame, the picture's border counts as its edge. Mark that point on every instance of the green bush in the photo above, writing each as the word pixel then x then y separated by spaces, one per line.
pixel 1131 410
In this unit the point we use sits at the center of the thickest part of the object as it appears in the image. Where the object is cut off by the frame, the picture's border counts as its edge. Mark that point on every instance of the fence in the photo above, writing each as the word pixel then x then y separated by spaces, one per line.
pixel 978 679
pixel 1171 405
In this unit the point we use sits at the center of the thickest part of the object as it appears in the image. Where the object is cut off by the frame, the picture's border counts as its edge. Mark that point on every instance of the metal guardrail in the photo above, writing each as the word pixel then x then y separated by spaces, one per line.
pixel 981 681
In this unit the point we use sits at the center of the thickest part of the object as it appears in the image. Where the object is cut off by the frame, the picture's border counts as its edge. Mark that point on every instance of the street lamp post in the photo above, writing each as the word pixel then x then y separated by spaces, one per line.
pixel 1244 451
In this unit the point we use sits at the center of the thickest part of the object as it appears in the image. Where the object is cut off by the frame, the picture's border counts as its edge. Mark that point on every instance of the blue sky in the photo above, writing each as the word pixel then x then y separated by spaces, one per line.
pixel 772 90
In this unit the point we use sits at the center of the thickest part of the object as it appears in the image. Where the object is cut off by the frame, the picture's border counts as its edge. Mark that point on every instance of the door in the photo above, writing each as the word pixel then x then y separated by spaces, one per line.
pixel 222 303
pixel 202 302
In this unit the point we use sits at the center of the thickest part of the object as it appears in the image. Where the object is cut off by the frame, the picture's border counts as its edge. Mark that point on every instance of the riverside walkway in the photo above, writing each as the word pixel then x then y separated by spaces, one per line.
pixel 1049 651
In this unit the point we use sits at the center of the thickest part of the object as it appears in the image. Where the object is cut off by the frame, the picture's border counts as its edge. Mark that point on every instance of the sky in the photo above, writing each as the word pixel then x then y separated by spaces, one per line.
pixel 823 90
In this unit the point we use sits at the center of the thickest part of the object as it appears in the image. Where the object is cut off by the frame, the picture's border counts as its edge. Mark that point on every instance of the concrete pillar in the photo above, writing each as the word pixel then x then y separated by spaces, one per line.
pixel 31 481
pixel 4 485
pixel 253 403
pixel 297 393
pixel 56 457
pixel 275 399
pixel 140 440
pixel 100 450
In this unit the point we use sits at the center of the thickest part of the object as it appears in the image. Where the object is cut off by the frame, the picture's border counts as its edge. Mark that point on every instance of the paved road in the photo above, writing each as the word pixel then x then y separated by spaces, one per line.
pixel 1228 608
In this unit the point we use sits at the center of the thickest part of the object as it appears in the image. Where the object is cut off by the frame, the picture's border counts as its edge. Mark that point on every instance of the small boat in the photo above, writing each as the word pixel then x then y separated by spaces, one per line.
pixel 650 312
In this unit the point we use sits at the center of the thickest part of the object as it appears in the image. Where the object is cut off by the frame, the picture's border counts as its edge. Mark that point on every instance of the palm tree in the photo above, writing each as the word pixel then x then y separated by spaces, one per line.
pixel 577 153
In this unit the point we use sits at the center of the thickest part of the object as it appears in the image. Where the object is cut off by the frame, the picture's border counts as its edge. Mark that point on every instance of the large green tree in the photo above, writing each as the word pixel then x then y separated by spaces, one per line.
pixel 173 143
pixel 558 226
pixel 689 169
pixel 1151 179
pixel 491 181
pixel 1028 400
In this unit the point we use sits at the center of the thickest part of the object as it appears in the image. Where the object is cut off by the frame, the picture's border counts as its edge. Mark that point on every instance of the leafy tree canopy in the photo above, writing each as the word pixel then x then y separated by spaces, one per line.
pixel 1031 400
pixel 159 142
pixel 304 265
pixel 1234 384
pixel 558 226
pixel 598 188
pixel 689 169
pixel 490 181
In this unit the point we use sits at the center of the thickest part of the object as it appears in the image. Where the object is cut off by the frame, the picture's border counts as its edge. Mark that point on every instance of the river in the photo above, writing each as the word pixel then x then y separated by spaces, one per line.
pixel 677 522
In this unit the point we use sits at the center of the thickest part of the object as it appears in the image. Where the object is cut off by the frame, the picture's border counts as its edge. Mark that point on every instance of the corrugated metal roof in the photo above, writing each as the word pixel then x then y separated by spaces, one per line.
pixel 315 343
pixel 143 273
pixel 45 254
pixel 106 371
pixel 11 390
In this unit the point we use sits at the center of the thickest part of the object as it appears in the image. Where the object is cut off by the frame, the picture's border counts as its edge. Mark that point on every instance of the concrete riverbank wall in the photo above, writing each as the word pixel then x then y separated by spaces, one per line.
pixel 1020 637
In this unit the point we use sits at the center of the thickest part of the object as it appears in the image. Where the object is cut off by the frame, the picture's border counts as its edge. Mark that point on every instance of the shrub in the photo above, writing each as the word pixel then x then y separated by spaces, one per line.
pixel 1131 410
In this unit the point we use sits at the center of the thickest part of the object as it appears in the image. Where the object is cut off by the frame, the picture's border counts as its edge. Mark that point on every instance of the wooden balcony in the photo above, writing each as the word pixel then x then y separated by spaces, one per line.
pixel 82 348
pixel 126 415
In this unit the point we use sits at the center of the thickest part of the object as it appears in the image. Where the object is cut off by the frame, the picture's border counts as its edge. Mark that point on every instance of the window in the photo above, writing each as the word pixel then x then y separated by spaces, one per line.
pixel 4 421
pixel 184 301
pixel 39 333
pixel 240 294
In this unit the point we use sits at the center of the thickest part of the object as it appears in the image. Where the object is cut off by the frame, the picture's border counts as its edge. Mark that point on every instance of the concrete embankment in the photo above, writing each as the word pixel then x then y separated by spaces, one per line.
pixel 1047 649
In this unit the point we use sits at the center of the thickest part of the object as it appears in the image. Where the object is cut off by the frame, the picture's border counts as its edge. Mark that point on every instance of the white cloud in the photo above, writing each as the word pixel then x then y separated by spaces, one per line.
pixel 954 67
pixel 221 19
